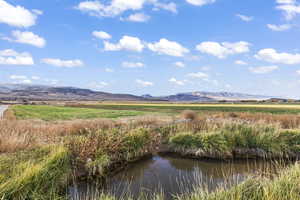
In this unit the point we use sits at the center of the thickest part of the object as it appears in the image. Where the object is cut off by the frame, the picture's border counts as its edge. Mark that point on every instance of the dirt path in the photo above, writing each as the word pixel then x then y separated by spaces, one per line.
pixel 3 108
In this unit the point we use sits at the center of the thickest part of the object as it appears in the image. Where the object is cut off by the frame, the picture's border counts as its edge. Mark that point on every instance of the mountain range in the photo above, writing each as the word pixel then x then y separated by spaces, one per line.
pixel 44 93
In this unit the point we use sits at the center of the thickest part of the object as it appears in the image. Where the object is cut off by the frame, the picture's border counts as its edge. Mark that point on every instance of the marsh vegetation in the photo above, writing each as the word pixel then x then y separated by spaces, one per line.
pixel 42 159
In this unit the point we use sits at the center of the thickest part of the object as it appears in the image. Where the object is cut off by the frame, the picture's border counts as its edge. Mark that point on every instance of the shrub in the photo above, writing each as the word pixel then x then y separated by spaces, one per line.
pixel 189 115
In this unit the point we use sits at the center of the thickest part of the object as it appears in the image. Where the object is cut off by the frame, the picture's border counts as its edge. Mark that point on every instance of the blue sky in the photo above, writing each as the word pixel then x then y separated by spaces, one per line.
pixel 153 47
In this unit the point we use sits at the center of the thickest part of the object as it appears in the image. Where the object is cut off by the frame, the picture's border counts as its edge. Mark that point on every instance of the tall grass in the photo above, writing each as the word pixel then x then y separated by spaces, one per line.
pixel 39 178
pixel 239 140
pixel 284 187
pixel 31 170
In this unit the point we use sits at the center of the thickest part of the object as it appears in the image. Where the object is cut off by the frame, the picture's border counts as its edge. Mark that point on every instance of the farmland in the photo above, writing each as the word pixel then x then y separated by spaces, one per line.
pixel 173 108
pixel 116 110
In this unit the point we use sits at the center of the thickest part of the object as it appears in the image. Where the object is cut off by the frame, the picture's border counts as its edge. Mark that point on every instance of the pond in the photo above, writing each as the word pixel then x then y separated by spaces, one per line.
pixel 173 176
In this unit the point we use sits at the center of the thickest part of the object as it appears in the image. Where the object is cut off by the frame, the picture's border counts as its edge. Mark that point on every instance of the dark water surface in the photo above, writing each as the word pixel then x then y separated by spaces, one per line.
pixel 173 176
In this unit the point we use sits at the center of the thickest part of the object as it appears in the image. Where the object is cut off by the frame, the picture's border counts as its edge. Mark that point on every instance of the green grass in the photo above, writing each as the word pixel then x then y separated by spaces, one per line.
pixel 68 113
pixel 36 174
pixel 266 140
pixel 177 108
pixel 284 187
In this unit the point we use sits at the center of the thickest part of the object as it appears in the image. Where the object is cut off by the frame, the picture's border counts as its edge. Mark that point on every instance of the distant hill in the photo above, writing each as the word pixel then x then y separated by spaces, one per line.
pixel 214 96
pixel 44 93
pixel 39 92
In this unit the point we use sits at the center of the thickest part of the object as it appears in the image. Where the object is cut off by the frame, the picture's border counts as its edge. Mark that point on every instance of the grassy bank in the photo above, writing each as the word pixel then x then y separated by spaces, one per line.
pixel 44 155
pixel 36 174
pixel 284 187
pixel 238 141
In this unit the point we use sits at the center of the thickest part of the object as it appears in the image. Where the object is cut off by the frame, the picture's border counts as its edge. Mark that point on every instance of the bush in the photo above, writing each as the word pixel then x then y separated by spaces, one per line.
pixel 189 115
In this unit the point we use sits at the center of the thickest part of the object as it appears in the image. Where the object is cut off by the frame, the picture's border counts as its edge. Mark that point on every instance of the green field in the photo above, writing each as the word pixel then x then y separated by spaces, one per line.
pixel 177 108
pixel 68 113
pixel 117 110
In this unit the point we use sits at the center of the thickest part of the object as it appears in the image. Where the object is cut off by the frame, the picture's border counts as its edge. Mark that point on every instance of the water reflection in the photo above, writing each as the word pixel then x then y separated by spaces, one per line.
pixel 174 176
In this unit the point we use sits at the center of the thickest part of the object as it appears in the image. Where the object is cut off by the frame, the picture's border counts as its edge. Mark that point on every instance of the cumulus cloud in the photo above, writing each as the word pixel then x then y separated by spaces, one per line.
pixel 245 18
pixel 179 64
pixel 200 2
pixel 126 43
pixel 240 62
pixel 11 57
pixel 290 8
pixel 26 37
pixel 138 17
pixel 176 82
pixel 102 35
pixel 133 65
pixel 222 50
pixel 62 63
pixel 263 69
pixel 283 27
pixel 272 56
pixel 118 7
pixel 167 47
pixel 17 16
pixel 144 83
pixel 200 75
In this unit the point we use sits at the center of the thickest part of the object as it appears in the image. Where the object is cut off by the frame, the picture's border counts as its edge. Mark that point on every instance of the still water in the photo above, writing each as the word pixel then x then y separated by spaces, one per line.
pixel 173 176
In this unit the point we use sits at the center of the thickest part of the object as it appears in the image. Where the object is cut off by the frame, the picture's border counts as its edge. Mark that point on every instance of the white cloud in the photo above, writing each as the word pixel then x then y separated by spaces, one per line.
pixel 283 27
pixel 133 65
pixel 200 75
pixel 172 7
pixel 62 63
pixel 290 8
pixel 167 47
pixel 179 64
pixel 102 35
pixel 138 17
pixel 240 62
pixel 98 85
pixel 126 43
pixel 245 18
pixel 108 70
pixel 298 72
pixel 222 50
pixel 27 37
pixel 200 2
pixel 17 16
pixel 26 81
pixel 20 79
pixel 286 1
pixel 11 57
pixel 263 69
pixel 37 12
pixel 51 81
pixel 272 56
pixel 35 78
pixel 118 7
pixel 144 83
pixel 176 82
